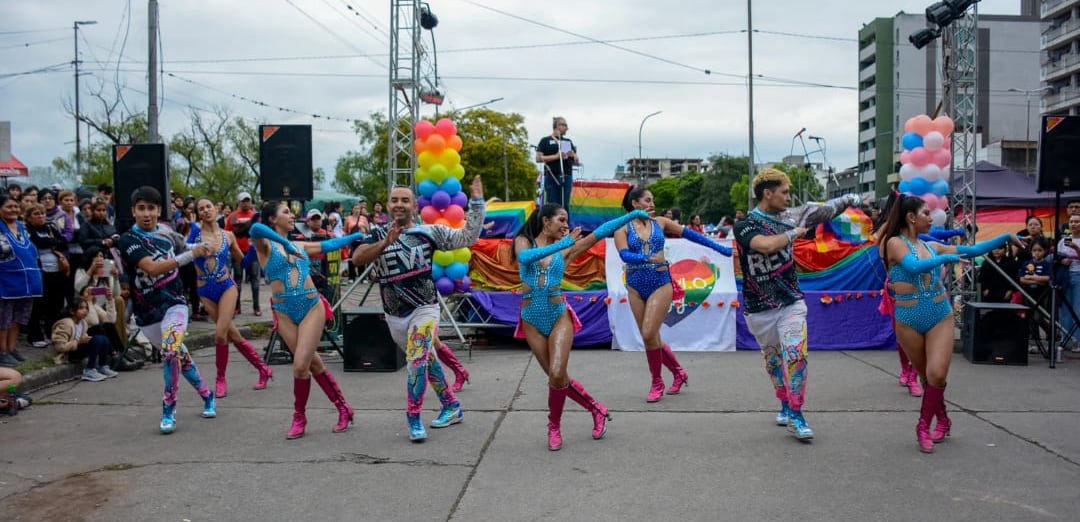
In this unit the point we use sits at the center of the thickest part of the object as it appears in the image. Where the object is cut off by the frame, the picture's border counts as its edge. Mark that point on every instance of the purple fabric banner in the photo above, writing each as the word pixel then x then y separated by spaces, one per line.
pixel 851 324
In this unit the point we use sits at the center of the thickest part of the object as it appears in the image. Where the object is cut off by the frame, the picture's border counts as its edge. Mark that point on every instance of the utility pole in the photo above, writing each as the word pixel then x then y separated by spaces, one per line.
pixel 750 84
pixel 78 114
pixel 506 173
pixel 152 106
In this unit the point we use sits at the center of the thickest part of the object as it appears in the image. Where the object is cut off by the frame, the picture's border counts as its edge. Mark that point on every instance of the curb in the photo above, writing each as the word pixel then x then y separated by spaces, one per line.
pixel 46 377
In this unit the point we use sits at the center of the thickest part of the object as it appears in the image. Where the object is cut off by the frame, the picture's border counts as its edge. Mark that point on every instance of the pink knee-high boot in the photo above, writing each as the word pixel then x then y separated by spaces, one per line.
pixel 680 377
pixel 556 401
pixel 944 423
pixel 656 361
pixel 447 357
pixel 330 387
pixel 599 412
pixel 931 403
pixel 301 392
pixel 221 358
pixel 248 351
pixel 905 367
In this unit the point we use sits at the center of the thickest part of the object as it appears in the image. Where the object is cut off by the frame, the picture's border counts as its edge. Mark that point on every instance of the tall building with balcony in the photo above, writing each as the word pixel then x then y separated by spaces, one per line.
pixel 1061 61
pixel 648 170
pixel 897 81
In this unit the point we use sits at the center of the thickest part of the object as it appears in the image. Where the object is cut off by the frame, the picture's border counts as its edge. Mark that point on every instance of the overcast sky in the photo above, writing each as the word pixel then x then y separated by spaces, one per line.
pixel 218 51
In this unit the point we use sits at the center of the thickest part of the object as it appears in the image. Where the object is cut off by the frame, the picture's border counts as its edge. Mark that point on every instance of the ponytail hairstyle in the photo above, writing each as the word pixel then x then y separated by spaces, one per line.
pixel 535 224
pixel 898 210
pixel 633 194
pixel 269 209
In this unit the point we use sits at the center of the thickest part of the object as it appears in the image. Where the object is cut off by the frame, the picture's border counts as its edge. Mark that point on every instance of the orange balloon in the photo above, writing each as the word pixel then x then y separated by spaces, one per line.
pixel 435 144
pixel 921 124
pixel 419 145
pixel 443 221
pixel 454 142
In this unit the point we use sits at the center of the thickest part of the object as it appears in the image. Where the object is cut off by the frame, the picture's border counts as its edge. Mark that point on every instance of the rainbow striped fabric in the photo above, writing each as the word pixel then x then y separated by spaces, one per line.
pixel 506 217
pixel 594 202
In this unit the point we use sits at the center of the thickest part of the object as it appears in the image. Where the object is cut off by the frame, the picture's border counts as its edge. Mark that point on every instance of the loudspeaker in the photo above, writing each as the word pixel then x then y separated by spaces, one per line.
pixel 137 165
pixel 1059 154
pixel 285 166
pixel 368 345
pixel 995 333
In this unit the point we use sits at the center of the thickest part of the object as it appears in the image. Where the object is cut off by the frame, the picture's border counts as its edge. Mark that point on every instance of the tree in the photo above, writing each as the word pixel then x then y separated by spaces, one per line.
pixel 739 193
pixel 490 140
pixel 665 192
pixel 210 163
pixel 804 186
pixel 690 185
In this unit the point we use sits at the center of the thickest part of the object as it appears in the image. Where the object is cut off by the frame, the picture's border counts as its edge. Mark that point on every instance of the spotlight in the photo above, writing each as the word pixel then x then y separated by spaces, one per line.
pixel 923 37
pixel 940 14
pixel 428 20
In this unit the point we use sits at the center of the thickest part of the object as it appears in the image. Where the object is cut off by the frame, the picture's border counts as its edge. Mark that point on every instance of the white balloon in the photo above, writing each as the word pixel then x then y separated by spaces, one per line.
pixel 908 171
pixel 931 172
pixel 933 141
pixel 938 217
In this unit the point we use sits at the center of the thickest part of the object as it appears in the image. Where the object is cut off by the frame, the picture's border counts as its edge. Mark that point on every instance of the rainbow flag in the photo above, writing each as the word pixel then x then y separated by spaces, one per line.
pixel 594 202
pixel 852 226
pixel 506 217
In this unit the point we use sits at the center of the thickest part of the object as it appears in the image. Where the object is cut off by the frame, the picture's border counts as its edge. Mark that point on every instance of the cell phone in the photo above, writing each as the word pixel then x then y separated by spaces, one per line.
pixel 99 290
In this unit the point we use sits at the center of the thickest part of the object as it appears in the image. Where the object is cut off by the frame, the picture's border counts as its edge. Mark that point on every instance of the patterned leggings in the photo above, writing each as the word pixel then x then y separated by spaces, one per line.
pixel 781 333
pixel 175 357
pixel 417 333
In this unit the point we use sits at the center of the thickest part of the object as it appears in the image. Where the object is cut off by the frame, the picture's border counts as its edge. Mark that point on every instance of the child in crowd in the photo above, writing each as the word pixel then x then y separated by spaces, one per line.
pixel 70 336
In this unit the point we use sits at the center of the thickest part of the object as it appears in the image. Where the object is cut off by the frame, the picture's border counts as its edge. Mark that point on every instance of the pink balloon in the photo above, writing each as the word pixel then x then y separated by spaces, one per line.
pixel 424 129
pixel 920 156
pixel 942 158
pixel 948 143
pixel 446 128
pixel 905 157
pixel 920 124
pixel 944 125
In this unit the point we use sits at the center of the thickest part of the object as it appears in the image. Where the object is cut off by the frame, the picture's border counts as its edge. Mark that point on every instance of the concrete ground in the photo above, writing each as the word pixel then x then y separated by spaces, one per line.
pixel 91 451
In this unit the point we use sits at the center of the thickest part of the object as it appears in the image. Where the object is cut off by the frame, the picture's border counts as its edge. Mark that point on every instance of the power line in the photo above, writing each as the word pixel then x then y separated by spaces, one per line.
pixel 27 31
pixel 364 15
pixel 332 33
pixel 28 44
pixel 352 21
pixel 260 103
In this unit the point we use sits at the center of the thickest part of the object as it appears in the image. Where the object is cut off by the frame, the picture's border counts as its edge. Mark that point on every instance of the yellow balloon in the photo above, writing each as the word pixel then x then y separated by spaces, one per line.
pixel 450 158
pixel 422 174
pixel 458 172
pixel 443 257
pixel 463 255
pixel 438 173
pixel 426 159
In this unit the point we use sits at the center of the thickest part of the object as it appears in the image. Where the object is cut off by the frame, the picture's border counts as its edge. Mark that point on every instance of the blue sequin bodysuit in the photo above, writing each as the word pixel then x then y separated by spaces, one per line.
pixel 214 282
pixel 544 293
pixel 646 278
pixel 927 312
pixel 296 300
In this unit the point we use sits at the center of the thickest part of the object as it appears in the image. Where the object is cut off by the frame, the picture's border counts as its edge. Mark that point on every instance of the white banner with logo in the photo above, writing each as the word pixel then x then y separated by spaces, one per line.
pixel 703 320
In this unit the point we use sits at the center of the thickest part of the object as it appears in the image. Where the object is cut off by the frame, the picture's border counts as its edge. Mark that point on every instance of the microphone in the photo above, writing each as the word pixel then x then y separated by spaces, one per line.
pixel 816 138
pixel 797 134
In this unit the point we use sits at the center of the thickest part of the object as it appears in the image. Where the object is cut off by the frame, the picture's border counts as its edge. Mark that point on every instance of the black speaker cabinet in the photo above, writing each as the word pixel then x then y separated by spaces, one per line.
pixel 995 333
pixel 137 165
pixel 1059 154
pixel 285 164
pixel 368 345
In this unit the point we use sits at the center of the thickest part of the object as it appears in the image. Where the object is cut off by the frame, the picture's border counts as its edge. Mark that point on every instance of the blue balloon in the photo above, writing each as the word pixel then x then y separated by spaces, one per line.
pixel 451 186
pixel 457 271
pixel 427 188
pixel 918 186
pixel 940 187
pixel 912 141
pixel 437 272
pixel 904 187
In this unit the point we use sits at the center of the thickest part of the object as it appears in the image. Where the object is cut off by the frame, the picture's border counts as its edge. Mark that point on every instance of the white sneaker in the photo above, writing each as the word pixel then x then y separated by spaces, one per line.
pixel 106 371
pixel 41 344
pixel 92 375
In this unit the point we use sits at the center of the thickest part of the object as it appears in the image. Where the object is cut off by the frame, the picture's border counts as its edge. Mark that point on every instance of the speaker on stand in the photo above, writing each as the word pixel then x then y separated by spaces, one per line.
pixel 368 345
pixel 137 165
pixel 285 164
pixel 995 333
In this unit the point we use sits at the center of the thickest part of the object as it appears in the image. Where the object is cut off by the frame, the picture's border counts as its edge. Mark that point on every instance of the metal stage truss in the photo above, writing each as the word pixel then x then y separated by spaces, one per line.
pixel 959 68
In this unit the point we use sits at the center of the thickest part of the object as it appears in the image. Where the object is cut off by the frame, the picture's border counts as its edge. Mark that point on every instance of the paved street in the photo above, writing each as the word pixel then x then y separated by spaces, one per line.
pixel 91 451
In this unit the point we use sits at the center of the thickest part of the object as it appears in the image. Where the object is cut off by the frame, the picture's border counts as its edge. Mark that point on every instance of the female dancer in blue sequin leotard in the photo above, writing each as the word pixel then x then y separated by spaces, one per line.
pixel 924 326
pixel 543 247
pixel 218 291
pixel 298 308
pixel 648 281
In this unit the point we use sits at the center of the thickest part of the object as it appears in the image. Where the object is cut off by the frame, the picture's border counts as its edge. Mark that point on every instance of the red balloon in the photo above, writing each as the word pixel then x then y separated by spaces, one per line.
pixel 424 129
pixel 435 144
pixel 454 142
pixel 430 214
pixel 442 221
pixel 446 128
pixel 454 214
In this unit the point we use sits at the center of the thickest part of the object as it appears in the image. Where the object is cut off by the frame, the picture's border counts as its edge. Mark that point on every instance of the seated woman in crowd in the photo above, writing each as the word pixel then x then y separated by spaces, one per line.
pixel 71 338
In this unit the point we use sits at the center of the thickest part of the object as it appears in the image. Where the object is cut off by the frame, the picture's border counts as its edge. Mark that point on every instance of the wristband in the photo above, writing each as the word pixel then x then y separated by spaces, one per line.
pixel 184 259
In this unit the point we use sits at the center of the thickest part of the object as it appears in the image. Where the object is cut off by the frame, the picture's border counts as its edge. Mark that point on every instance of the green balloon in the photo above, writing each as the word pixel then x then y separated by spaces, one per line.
pixel 443 257
pixel 463 255
pixel 458 172
pixel 438 173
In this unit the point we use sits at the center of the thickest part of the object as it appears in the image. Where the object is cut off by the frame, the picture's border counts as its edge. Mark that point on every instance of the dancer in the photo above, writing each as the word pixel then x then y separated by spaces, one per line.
pixel 772 301
pixel 218 293
pixel 152 263
pixel 402 254
pixel 649 284
pixel 922 310
pixel 296 304
pixel 548 324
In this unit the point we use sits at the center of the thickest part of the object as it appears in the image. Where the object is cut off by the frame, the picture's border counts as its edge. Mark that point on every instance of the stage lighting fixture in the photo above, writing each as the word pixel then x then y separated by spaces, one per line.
pixel 940 14
pixel 923 37
pixel 428 20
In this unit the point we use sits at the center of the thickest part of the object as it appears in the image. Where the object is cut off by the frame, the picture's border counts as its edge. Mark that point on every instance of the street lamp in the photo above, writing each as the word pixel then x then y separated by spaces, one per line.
pixel 78 140
pixel 1027 125
pixel 640 127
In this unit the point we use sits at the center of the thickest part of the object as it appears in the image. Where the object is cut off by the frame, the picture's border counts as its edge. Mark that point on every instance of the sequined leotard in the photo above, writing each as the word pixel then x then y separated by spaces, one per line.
pixel 646 278
pixel 296 300
pixel 544 295
pixel 216 281
pixel 926 313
